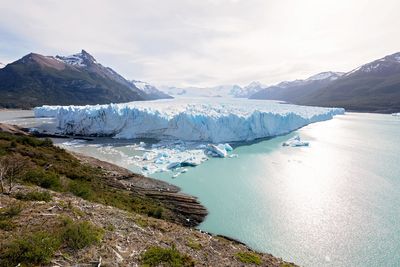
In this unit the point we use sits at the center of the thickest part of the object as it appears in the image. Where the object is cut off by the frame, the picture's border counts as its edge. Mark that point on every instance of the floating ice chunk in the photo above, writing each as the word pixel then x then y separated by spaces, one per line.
pixel 184 170
pixel 146 168
pixel 74 143
pixel 233 156
pixel 176 175
pixel 295 142
pixel 173 165
pixel 217 150
pixel 192 162
pixel 228 147
pixel 396 114
pixel 159 161
pixel 148 156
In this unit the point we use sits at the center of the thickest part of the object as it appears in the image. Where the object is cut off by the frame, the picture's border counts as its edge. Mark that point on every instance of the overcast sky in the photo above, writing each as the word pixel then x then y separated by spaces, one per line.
pixel 205 42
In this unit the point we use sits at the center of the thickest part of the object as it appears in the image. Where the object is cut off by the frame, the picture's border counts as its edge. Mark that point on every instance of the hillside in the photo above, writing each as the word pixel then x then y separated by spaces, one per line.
pixel 63 211
pixel 293 90
pixel 373 87
pixel 36 80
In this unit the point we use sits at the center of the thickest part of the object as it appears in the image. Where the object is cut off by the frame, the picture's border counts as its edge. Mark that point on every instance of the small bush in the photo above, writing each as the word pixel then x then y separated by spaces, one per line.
pixel 45 179
pixel 141 222
pixel 248 257
pixel 81 234
pixel 193 244
pixel 47 142
pixel 37 248
pixel 156 213
pixel 6 225
pixel 80 189
pixel 155 256
pixel 10 212
pixel 34 196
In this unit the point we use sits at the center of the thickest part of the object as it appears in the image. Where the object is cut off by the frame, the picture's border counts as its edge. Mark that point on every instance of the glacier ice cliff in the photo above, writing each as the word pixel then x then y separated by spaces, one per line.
pixel 207 120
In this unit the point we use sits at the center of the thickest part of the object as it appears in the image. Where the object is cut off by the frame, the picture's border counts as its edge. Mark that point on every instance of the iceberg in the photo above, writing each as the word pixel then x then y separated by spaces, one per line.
pixel 217 151
pixel 213 120
pixel 295 142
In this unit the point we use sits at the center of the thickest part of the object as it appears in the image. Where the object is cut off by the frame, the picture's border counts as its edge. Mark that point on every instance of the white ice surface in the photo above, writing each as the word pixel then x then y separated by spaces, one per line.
pixel 190 119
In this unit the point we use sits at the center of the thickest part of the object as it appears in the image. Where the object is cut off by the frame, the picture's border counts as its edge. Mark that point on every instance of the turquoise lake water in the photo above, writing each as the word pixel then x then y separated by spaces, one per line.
pixel 334 203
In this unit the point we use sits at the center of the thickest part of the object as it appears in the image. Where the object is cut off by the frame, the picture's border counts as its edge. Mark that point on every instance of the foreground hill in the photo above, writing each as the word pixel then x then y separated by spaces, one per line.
pixel 36 80
pixel 373 87
pixel 61 211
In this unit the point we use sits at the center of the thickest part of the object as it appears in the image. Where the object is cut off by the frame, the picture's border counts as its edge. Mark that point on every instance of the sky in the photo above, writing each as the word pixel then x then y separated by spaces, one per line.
pixel 205 42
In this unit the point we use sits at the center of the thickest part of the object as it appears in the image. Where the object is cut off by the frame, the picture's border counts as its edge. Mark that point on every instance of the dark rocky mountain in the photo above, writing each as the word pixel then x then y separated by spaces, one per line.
pixel 373 87
pixel 36 80
pixel 290 91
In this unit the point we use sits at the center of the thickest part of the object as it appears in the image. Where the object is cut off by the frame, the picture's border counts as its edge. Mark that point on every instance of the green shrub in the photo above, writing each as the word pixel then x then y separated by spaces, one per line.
pixel 42 178
pixel 37 248
pixel 141 222
pixel 193 244
pixel 34 196
pixel 6 225
pixel 80 189
pixel 156 213
pixel 248 257
pixel 47 142
pixel 10 212
pixel 81 234
pixel 155 256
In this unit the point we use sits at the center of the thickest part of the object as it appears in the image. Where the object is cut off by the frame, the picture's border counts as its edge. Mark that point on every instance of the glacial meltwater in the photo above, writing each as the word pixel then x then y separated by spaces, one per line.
pixel 333 203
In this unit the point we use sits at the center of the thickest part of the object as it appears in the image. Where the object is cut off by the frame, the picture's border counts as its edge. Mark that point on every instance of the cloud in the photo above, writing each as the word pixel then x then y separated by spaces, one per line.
pixel 189 42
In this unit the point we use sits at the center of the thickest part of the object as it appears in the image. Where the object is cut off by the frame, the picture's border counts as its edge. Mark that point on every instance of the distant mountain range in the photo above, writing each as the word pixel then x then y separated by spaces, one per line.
pixel 191 91
pixel 79 79
pixel 373 87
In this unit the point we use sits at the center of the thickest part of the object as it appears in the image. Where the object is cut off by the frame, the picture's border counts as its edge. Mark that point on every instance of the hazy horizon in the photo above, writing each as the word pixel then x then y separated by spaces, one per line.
pixel 205 43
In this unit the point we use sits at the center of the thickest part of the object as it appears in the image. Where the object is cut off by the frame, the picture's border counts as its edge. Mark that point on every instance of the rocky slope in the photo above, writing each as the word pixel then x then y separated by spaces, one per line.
pixel 127 236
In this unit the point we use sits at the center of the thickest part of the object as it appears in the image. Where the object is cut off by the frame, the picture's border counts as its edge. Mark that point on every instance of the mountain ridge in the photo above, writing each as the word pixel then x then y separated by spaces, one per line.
pixel 36 80
pixel 372 87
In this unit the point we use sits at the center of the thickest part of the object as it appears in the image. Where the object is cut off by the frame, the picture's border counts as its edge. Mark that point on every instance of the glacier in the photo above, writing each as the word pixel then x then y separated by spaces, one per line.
pixel 214 120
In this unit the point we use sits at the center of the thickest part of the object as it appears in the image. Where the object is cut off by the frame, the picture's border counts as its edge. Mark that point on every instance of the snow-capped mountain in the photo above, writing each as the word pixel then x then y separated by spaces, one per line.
pixel 327 75
pixel 384 66
pixel 247 91
pixel 150 90
pixel 191 91
pixel 82 59
pixel 289 90
pixel 64 80
pixel 372 87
